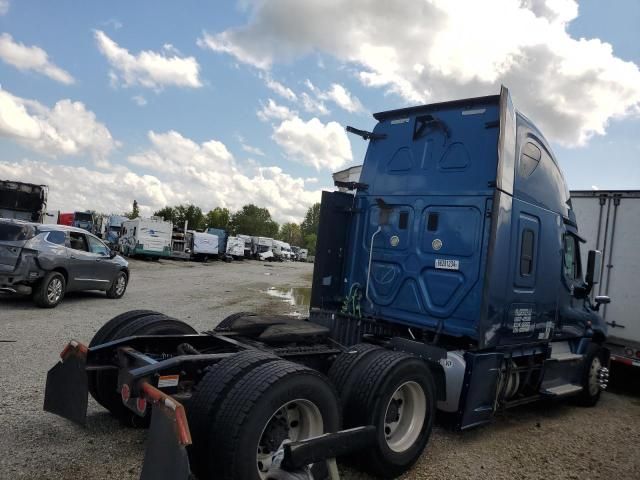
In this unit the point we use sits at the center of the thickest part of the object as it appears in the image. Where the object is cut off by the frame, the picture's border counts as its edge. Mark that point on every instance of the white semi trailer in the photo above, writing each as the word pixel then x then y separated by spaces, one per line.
pixel 610 222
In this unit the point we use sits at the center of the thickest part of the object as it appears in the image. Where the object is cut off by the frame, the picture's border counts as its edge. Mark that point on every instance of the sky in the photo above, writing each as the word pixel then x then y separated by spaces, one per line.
pixel 229 103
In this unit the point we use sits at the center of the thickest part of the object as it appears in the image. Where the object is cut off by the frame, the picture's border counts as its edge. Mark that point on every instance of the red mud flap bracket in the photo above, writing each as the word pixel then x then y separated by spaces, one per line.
pixel 166 454
pixel 66 392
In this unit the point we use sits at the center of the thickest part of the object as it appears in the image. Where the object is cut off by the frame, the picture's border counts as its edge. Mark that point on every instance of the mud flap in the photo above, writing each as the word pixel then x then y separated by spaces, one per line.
pixel 66 391
pixel 166 455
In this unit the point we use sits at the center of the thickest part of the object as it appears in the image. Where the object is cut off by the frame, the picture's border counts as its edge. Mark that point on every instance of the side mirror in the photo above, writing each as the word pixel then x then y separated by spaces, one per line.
pixel 594 267
pixel 113 254
pixel 601 300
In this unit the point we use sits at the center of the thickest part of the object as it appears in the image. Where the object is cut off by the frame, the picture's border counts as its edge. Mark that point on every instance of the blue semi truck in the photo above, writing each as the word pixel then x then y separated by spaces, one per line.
pixel 449 280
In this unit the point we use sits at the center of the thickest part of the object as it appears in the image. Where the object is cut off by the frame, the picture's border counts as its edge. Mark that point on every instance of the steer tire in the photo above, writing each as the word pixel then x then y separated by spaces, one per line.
pixel 105 389
pixel 40 294
pixel 347 366
pixel 589 397
pixel 209 394
pixel 251 405
pixel 369 402
pixel 226 325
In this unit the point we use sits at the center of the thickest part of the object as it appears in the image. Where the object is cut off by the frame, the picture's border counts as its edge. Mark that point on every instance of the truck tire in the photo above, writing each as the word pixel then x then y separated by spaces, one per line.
pixel 105 334
pixel 590 394
pixel 119 285
pixel 106 331
pixel 272 402
pixel 210 392
pixel 227 323
pixel 50 291
pixel 395 392
pixel 106 382
pixel 345 368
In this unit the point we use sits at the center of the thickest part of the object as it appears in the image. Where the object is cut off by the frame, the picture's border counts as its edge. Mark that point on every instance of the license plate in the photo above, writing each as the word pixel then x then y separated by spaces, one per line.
pixel 447 264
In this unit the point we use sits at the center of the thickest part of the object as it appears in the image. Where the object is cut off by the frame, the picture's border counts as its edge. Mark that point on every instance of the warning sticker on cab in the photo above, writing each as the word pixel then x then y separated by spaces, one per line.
pixel 168 381
pixel 447 264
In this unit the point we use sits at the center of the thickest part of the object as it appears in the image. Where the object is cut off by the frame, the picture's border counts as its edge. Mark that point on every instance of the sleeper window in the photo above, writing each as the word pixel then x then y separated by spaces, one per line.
pixel 526 253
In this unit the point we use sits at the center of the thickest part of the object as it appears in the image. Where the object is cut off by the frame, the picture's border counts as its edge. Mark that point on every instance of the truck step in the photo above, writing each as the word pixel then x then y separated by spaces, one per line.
pixel 562 390
pixel 566 356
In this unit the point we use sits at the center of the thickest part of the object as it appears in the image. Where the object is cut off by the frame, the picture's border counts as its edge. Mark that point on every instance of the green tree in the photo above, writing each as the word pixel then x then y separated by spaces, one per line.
pixel 218 218
pixel 290 233
pixel 167 213
pixel 253 220
pixel 191 214
pixel 311 221
pixel 310 243
pixel 135 211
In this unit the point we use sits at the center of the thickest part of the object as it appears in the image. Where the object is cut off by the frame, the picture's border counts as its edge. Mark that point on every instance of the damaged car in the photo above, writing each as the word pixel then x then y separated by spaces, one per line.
pixel 47 261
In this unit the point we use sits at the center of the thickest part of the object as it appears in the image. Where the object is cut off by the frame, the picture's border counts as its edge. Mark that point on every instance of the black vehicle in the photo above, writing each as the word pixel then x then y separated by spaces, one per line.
pixel 47 261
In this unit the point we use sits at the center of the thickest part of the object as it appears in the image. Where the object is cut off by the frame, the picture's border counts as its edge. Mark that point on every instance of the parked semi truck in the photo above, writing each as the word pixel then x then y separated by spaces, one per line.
pixel 610 221
pixel 222 237
pixel 23 201
pixel 451 280
pixel 83 220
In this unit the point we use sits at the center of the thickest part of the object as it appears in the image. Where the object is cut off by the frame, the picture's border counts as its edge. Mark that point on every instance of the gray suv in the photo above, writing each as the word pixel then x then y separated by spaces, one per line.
pixel 47 261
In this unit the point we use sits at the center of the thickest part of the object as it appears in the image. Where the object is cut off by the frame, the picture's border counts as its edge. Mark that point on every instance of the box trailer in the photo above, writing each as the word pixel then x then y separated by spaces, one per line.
pixel 23 201
pixel 449 280
pixel 610 221
pixel 146 237
pixel 203 246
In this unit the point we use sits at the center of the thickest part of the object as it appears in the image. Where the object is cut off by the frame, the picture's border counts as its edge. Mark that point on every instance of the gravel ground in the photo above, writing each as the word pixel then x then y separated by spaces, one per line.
pixel 532 442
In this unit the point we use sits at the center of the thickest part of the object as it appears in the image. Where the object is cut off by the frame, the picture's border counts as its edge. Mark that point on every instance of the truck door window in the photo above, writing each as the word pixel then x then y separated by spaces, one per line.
pixel 571 257
pixel 526 253
pixel 96 246
pixel 77 241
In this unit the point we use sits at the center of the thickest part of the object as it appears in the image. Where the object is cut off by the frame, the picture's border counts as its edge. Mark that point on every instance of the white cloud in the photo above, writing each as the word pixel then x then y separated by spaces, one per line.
pixel 148 68
pixel 31 58
pixel 67 128
pixel 139 100
pixel 252 150
pixel 280 89
pixel 343 98
pixel 313 105
pixel 445 49
pixel 314 143
pixel 4 7
pixel 272 111
pixel 173 169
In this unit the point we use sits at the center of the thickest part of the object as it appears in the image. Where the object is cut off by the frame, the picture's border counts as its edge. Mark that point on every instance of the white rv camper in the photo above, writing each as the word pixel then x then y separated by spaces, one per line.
pixel 146 237
pixel 203 246
pixel 235 247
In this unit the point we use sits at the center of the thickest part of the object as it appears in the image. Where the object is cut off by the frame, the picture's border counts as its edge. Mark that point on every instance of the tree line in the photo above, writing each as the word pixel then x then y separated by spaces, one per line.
pixel 249 220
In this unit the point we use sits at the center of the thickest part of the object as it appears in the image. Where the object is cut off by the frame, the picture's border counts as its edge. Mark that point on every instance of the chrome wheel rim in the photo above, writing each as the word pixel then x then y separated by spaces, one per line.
pixel 121 284
pixel 594 383
pixel 405 415
pixel 54 290
pixel 295 420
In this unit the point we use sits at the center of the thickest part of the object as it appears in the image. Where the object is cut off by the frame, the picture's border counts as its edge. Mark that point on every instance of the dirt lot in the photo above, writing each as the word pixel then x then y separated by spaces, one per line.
pixel 532 442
